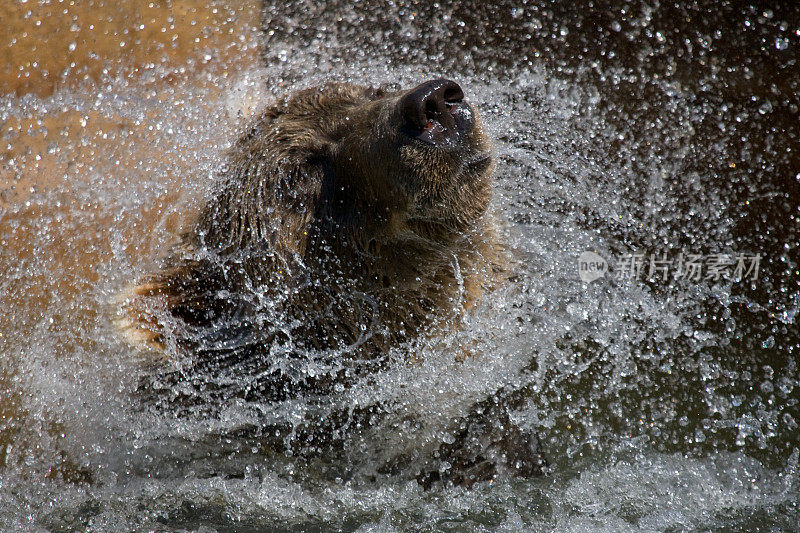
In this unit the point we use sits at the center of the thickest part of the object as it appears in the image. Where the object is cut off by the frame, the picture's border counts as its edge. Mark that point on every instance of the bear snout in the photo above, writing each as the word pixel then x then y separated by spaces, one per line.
pixel 435 113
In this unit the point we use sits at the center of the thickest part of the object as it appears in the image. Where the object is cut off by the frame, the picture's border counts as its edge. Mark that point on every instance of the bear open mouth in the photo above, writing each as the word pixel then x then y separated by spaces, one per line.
pixel 434 134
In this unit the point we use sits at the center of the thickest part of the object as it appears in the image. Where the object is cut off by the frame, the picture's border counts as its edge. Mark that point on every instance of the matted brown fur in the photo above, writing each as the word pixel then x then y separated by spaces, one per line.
pixel 333 235
pixel 324 205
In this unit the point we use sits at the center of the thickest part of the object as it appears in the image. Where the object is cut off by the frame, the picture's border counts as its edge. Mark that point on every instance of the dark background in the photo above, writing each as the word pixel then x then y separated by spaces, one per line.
pixel 733 131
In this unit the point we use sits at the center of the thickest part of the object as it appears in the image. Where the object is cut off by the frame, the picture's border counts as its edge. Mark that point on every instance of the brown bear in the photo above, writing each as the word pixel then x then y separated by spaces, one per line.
pixel 346 221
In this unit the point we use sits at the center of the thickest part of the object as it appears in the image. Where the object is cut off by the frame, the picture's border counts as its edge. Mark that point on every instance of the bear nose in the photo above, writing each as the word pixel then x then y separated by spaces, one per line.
pixel 435 112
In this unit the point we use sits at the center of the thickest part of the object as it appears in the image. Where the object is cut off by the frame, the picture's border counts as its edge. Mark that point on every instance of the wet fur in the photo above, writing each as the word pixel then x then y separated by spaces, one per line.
pixel 308 193
pixel 330 234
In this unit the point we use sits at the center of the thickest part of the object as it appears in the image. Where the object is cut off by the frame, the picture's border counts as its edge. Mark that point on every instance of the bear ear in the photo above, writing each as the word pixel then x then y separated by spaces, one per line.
pixel 263 199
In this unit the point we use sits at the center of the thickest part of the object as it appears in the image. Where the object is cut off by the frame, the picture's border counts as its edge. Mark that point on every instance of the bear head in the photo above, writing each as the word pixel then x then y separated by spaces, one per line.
pixel 367 164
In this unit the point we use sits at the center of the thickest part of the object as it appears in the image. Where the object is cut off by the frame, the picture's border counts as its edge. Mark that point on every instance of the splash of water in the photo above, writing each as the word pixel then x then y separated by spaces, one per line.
pixel 660 404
